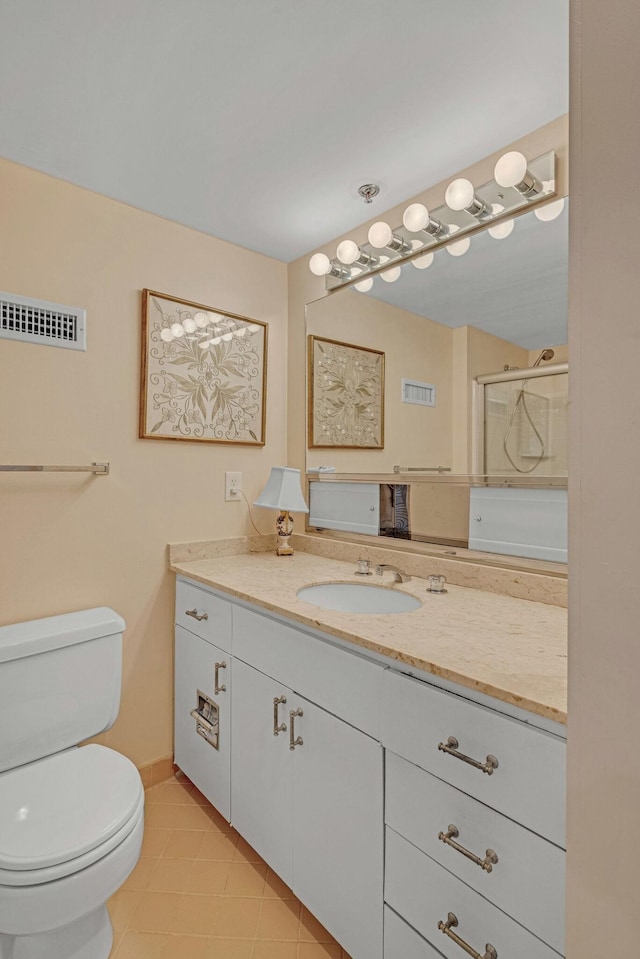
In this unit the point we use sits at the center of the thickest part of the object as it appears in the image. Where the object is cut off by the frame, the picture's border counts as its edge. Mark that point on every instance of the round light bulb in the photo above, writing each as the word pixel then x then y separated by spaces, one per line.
pixel 550 210
pixel 188 325
pixel 364 285
pixel 501 230
pixel 166 334
pixel 390 276
pixel 380 235
pixel 177 330
pixel 459 194
pixel 510 169
pixel 460 247
pixel 348 252
pixel 422 262
pixel 201 319
pixel 415 217
pixel 320 264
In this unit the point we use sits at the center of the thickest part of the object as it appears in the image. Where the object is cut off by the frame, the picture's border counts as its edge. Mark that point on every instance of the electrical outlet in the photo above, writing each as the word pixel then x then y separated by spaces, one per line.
pixel 232 486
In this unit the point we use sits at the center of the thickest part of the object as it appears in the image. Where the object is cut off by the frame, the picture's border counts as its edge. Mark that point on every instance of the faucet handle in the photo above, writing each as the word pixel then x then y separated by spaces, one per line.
pixel 364 567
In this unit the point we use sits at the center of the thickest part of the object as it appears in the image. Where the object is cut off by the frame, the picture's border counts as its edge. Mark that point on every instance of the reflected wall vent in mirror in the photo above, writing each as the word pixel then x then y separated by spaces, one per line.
pixel 421 394
pixel 36 321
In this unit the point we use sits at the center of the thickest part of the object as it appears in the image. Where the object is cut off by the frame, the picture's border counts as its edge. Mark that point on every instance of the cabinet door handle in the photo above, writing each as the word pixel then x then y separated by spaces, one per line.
pixel 451 747
pixel 217 688
pixel 452 833
pixel 447 929
pixel 278 727
pixel 293 742
pixel 196 615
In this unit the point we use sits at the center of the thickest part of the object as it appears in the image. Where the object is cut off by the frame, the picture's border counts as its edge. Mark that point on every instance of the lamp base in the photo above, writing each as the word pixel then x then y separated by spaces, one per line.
pixel 284 529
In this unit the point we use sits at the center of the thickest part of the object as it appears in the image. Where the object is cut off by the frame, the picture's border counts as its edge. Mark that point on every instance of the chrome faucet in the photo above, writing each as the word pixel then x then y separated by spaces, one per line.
pixel 398 575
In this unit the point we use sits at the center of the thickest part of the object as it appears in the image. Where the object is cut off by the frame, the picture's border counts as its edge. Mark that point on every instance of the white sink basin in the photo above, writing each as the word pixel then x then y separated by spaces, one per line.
pixel 358 598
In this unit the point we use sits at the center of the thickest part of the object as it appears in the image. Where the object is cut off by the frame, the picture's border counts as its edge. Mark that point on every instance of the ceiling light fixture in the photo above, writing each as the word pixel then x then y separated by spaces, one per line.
pixel 349 252
pixel 417 219
pixel 461 195
pixel 519 184
pixel 382 237
pixel 511 171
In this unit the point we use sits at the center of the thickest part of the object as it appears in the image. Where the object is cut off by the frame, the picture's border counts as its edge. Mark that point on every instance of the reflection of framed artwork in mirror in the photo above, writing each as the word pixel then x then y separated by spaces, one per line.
pixel 203 373
pixel 346 395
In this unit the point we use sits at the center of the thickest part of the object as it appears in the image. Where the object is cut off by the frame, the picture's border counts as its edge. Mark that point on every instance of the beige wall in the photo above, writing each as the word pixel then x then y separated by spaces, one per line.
pixel 70 541
pixel 604 505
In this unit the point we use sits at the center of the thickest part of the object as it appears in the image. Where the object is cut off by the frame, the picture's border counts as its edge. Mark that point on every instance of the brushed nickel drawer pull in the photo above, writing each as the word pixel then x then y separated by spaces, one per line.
pixel 447 929
pixel 278 727
pixel 196 614
pixel 217 688
pixel 451 747
pixel 293 742
pixel 452 833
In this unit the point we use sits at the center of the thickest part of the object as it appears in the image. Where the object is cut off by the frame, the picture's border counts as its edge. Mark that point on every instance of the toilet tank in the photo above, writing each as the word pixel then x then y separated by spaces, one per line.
pixel 60 680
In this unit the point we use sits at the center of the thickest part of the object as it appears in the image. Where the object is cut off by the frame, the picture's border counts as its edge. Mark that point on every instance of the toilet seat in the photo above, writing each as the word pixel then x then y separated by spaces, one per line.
pixel 62 813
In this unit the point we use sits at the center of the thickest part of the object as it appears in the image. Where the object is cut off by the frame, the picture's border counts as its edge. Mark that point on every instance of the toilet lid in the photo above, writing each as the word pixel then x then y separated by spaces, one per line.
pixel 58 808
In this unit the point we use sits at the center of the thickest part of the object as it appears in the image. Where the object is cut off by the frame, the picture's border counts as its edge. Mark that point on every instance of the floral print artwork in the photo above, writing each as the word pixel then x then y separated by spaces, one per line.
pixel 347 395
pixel 203 373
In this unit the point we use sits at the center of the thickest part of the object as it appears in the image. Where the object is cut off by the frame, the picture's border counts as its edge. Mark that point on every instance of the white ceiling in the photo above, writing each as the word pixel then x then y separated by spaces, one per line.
pixel 256 120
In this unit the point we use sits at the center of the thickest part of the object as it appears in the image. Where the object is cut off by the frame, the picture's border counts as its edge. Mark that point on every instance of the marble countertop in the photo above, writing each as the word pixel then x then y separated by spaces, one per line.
pixel 512 649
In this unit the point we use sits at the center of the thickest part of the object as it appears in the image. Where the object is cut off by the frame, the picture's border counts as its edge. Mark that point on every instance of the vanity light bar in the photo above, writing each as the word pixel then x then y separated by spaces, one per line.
pixel 518 185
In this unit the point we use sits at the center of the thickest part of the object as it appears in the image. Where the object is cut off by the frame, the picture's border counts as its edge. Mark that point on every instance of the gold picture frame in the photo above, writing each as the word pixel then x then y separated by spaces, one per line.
pixel 346 395
pixel 203 373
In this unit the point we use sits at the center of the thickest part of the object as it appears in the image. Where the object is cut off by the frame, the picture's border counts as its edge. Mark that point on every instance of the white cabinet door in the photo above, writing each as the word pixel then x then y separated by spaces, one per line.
pixel 195 671
pixel 338 838
pixel 261 793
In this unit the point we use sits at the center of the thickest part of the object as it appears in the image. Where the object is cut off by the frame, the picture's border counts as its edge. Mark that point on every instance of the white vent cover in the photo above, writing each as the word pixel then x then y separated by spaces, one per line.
pixel 36 321
pixel 422 394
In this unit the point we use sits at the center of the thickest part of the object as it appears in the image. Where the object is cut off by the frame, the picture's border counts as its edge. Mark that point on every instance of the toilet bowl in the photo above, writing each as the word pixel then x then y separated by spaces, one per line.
pixel 70 833
pixel 71 817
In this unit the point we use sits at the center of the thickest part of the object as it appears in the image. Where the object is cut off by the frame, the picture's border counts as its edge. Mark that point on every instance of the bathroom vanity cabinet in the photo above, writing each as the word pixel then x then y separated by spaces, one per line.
pixel 412 821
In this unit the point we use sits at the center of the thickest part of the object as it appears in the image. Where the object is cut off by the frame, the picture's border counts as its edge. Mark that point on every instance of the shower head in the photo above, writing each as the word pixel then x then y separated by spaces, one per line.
pixel 545 355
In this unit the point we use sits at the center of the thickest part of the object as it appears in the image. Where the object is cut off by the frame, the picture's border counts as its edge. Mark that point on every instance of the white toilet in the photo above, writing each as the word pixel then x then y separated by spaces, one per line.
pixel 71 819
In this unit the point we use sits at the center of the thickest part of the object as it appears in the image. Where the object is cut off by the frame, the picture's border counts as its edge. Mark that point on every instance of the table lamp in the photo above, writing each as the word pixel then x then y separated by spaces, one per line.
pixel 283 492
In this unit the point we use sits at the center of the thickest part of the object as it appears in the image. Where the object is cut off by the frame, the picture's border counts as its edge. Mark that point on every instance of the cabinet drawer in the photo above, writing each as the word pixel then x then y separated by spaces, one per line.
pixel 529 782
pixel 527 881
pixel 424 893
pixel 204 614
pixel 403 942
pixel 342 683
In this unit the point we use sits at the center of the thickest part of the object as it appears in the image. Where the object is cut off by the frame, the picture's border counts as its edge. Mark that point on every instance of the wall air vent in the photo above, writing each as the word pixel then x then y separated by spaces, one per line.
pixel 422 394
pixel 36 321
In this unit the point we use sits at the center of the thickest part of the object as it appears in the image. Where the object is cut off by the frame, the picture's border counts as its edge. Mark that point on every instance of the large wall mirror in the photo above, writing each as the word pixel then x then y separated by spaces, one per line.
pixel 475 382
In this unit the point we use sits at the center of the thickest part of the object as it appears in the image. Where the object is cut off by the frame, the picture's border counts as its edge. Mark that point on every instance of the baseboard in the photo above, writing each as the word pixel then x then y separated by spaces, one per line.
pixel 157 772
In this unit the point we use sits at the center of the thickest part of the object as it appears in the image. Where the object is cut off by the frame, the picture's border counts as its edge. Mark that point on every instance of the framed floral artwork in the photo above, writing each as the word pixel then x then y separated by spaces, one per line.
pixel 203 373
pixel 346 395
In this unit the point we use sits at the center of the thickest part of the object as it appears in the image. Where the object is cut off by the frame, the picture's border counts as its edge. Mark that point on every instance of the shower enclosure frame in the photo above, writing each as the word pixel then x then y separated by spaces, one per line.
pixel 478 413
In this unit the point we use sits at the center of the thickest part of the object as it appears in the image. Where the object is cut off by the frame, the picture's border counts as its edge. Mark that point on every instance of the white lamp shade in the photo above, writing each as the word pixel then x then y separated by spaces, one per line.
pixel 348 252
pixel 380 235
pixel 283 491
pixel 510 169
pixel 459 194
pixel 415 217
pixel 320 264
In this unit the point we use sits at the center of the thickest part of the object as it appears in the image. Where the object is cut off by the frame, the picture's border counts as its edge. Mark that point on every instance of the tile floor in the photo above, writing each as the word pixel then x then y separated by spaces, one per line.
pixel 200 892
